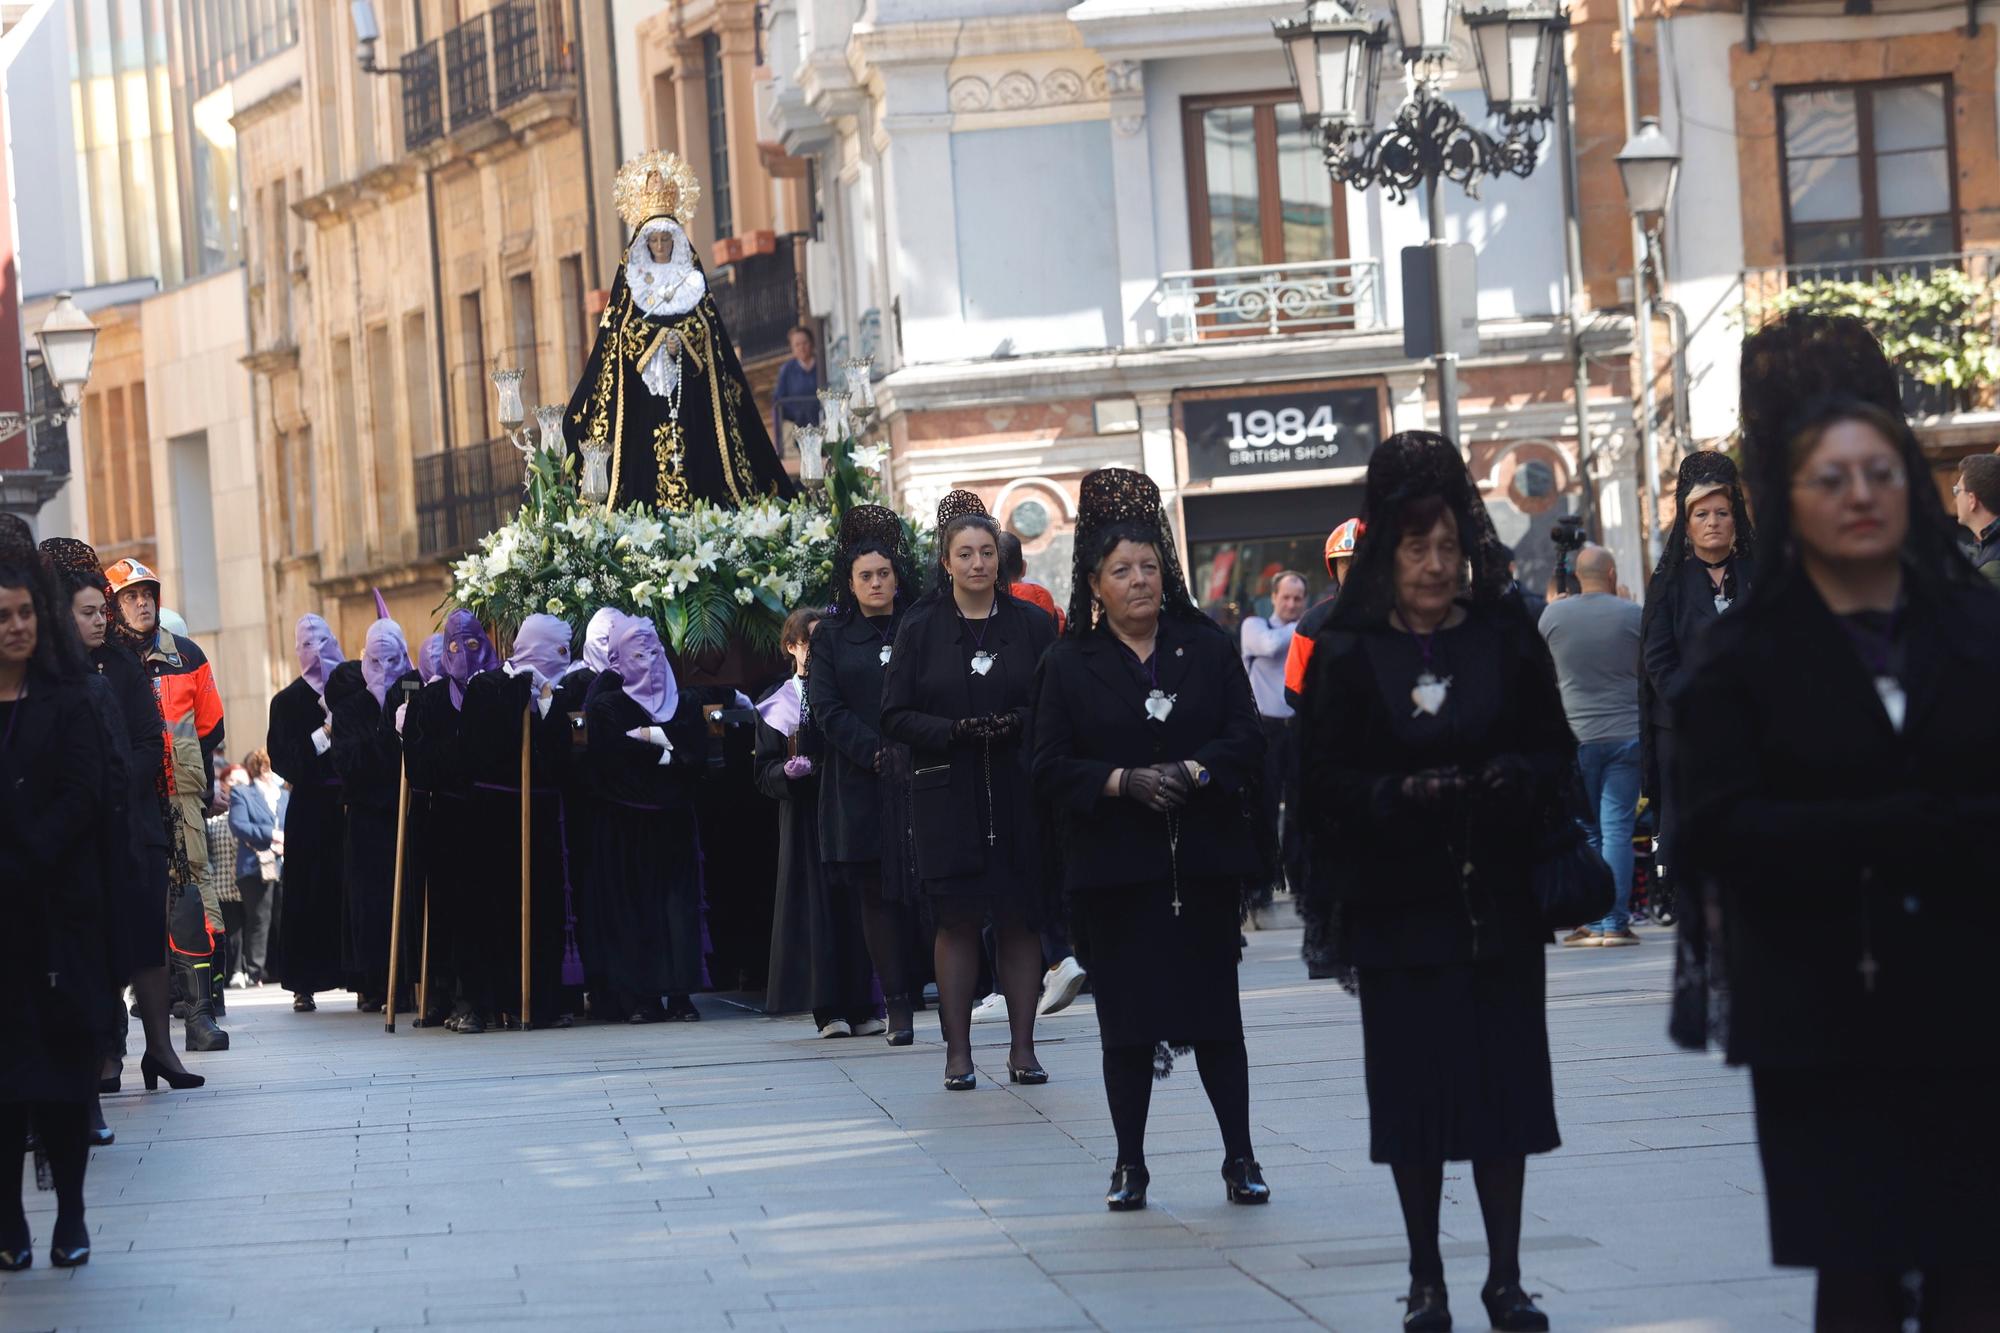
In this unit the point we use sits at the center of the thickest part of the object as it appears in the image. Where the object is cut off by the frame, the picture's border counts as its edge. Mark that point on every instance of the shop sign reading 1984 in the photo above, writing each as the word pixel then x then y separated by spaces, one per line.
pixel 1279 431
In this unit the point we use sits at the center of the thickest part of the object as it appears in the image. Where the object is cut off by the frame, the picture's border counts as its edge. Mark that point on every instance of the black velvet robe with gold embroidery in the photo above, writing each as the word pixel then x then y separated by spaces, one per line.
pixel 718 449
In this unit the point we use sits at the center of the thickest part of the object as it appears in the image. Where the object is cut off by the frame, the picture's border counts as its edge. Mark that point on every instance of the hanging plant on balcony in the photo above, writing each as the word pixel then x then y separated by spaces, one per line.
pixel 1937 327
pixel 705 576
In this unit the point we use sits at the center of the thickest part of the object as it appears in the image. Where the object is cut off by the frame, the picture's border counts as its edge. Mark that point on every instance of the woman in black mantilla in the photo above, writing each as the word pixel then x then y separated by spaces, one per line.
pixel 861 834
pixel 1837 739
pixel 663 393
pixel 1147 745
pixel 1433 743
pixel 959 692
pixel 1704 569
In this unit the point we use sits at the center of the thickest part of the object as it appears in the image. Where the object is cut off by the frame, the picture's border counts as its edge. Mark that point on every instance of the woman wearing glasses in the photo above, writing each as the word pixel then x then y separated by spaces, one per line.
pixel 1836 744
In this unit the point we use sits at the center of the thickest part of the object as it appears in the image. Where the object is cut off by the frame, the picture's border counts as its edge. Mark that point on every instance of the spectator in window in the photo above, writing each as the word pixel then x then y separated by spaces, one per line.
pixel 1976 496
pixel 1594 636
pixel 795 399
pixel 1267 645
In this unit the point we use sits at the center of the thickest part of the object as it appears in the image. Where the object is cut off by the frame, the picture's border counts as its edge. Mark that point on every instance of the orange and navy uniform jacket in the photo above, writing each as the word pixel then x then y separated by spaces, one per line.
pixel 1036 595
pixel 1300 656
pixel 189 702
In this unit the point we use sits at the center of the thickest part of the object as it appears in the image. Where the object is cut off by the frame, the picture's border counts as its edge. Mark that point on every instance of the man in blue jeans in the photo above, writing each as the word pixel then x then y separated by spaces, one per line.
pixel 1594 636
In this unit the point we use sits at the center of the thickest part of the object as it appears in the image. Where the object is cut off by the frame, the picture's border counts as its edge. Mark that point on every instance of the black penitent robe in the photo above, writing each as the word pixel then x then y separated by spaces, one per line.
pixel 310 926
pixel 718 449
pixel 819 959
pixel 494 704
pixel 367 756
pixel 431 741
pixel 644 854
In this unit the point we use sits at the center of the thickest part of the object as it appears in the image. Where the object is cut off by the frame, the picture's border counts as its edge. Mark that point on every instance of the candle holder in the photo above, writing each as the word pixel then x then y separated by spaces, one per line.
pixel 812 456
pixel 860 388
pixel 507 383
pixel 833 415
pixel 548 419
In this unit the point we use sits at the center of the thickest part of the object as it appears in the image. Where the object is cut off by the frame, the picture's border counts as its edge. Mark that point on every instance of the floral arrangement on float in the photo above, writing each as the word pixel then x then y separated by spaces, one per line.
pixel 708 576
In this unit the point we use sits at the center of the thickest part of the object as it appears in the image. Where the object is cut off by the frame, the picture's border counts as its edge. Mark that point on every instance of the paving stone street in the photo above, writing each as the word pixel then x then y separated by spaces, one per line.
pixel 741 1174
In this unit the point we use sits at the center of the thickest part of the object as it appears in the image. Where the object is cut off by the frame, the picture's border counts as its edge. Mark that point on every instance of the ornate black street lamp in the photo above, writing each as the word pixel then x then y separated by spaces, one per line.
pixel 1335 54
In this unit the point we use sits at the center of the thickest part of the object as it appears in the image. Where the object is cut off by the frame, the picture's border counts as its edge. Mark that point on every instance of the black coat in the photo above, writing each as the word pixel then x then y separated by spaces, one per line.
pixel 55 964
pixel 1090 719
pixel 310 927
pixel 1674 629
pixel 1829 836
pixel 1398 866
pixel 925 691
pixel 844 687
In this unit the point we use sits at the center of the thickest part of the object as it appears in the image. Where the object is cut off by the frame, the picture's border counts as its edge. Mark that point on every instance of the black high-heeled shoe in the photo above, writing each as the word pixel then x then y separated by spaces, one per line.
pixel 1511 1310
pixel 153 1071
pixel 1243 1180
pixel 71 1253
pixel 101 1134
pixel 902 1032
pixel 965 1082
pixel 1033 1078
pixel 111 1084
pixel 1430 1309
pixel 1128 1188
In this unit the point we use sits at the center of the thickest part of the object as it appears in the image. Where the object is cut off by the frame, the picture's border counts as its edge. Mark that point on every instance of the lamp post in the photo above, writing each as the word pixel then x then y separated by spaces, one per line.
pixel 68 343
pixel 1335 56
pixel 1649 168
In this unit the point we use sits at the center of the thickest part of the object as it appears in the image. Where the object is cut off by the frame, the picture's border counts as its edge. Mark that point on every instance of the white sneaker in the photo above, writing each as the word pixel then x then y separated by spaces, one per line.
pixel 1061 986
pixel 239 981
pixel 837 1028
pixel 870 1027
pixel 992 1009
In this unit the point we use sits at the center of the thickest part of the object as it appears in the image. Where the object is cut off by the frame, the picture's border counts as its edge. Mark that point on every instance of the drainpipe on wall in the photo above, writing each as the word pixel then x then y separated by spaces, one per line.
pixel 437 309
pixel 1642 303
pixel 1578 300
pixel 583 119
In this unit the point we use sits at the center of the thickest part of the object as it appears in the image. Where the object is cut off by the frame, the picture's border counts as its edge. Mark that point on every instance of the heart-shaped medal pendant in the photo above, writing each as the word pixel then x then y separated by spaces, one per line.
pixel 1159 704
pixel 982 662
pixel 1429 694
pixel 883 658
pixel 1894 702
pixel 1721 603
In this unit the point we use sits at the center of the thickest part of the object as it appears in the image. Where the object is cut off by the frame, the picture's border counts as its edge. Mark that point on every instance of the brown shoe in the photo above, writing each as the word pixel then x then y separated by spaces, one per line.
pixel 1615 938
pixel 1582 937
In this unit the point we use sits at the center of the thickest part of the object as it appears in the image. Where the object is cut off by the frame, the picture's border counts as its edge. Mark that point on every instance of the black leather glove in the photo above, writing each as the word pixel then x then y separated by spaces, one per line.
pixel 968 729
pixel 1003 726
pixel 1506 778
pixel 1175 784
pixel 1433 787
pixel 1147 786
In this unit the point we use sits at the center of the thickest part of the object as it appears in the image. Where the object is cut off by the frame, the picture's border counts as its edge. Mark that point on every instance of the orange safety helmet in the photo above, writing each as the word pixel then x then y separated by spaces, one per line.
pixel 1340 542
pixel 130 574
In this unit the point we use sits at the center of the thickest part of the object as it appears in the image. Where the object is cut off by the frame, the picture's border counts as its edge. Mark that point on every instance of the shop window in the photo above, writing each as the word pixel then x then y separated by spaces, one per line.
pixel 1258 192
pixel 1868 171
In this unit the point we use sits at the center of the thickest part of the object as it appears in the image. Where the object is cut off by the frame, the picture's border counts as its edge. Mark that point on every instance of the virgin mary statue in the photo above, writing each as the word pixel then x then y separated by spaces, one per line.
pixel 663 390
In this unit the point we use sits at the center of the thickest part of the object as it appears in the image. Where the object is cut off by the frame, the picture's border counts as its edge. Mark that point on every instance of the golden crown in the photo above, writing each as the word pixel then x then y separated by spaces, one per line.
pixel 656 184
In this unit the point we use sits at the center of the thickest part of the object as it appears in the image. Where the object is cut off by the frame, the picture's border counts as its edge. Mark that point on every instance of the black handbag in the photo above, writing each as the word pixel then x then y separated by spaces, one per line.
pixel 1573 885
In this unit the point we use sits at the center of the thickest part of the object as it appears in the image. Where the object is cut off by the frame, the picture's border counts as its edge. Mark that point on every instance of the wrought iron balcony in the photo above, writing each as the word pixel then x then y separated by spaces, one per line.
pixel 423 97
pixel 1271 300
pixel 468 85
pixel 1938 317
pixel 761 298
pixel 463 494
pixel 530 50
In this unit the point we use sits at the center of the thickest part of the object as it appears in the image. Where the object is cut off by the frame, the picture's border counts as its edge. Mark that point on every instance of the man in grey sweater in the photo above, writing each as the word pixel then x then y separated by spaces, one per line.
pixel 1594 636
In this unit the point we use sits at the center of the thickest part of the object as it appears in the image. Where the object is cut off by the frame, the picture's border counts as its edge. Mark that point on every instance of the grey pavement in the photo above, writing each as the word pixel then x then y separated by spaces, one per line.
pixel 741 1174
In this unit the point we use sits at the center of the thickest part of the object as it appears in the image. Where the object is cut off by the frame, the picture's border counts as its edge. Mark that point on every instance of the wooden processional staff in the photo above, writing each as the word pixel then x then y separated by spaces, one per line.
pixel 527 876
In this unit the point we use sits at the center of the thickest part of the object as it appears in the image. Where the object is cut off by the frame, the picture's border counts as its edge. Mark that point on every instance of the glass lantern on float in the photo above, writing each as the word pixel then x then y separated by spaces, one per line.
pixel 548 420
pixel 812 453
pixel 507 384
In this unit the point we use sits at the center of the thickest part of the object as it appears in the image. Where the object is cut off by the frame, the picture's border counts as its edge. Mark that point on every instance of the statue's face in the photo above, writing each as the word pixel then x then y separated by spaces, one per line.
pixel 660 244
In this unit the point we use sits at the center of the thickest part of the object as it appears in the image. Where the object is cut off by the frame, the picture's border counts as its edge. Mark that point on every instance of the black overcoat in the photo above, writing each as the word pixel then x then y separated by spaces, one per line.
pixel 1090 718
pixel 1676 627
pixel 926 690
pixel 1831 838
pixel 844 686
pixel 136 902
pixel 55 955
pixel 310 925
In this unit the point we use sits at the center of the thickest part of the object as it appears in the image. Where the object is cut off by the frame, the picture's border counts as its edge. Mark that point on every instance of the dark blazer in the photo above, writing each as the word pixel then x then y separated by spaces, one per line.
pixel 1397 866
pixel 140 727
pixel 1676 627
pixel 1829 836
pixel 844 688
pixel 254 823
pixel 1090 719
pixel 924 692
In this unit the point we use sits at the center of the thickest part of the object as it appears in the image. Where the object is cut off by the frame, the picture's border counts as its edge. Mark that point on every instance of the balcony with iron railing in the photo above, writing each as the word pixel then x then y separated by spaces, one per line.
pixel 1938 317
pixel 762 297
pixel 1271 300
pixel 484 67
pixel 465 493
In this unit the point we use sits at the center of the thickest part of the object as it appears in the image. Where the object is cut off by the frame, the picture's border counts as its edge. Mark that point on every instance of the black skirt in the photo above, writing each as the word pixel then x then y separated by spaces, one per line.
pixel 1887 1169
pixel 138 911
pixel 819 960
pixel 1159 977
pixel 1457 1060
pixel 648 900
